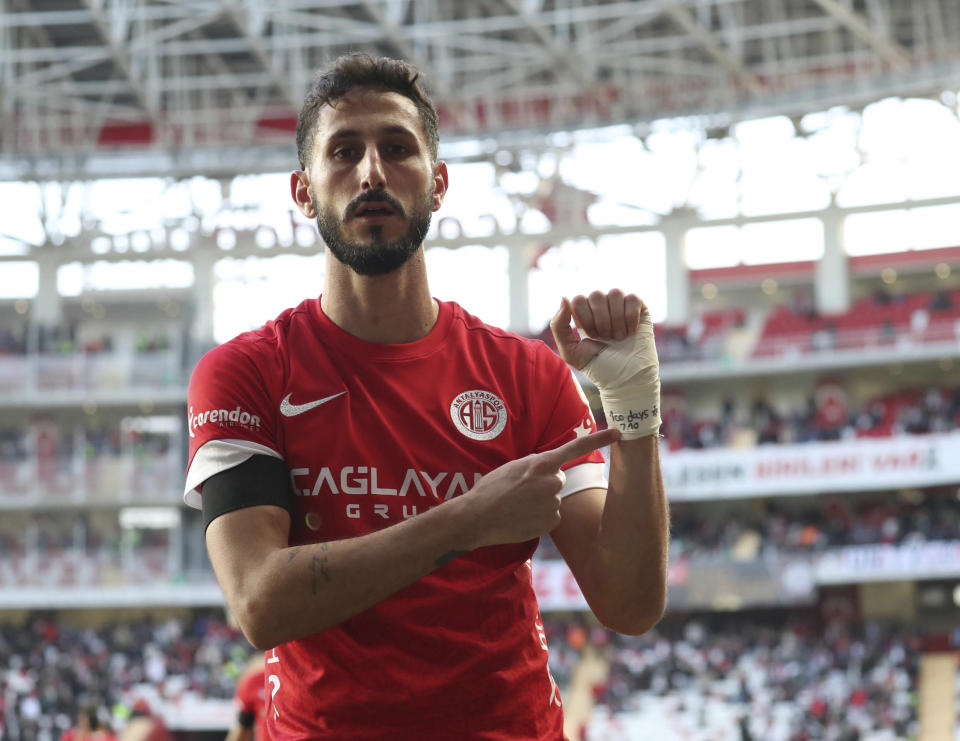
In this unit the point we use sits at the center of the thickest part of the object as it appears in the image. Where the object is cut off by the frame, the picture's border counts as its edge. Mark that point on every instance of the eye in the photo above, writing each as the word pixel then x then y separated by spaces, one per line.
pixel 397 149
pixel 344 153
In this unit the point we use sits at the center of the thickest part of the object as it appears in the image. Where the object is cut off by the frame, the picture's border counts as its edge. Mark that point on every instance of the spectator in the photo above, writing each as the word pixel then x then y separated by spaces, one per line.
pixel 144 725
pixel 13 340
pixel 250 701
pixel 888 332
pixel 941 301
pixel 86 726
pixel 919 321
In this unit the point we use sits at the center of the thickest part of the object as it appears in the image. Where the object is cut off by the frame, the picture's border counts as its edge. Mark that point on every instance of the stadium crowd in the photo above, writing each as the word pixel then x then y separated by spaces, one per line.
pixel 46 439
pixel 70 339
pixel 13 339
pixel 881 319
pixel 50 671
pixel 46 463
pixel 698 677
pixel 62 357
pixel 80 548
pixel 765 678
pixel 824 523
pixel 748 532
pixel 567 636
pixel 906 412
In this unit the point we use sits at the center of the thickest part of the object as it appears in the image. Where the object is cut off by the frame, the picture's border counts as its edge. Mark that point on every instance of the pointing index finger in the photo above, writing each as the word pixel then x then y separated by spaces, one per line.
pixel 581 446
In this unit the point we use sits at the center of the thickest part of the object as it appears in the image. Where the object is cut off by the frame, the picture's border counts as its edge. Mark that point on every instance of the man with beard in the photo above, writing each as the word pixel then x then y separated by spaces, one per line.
pixel 375 467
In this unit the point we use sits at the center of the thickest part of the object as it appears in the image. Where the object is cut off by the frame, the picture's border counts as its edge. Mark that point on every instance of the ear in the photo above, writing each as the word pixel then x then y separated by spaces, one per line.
pixel 440 183
pixel 300 191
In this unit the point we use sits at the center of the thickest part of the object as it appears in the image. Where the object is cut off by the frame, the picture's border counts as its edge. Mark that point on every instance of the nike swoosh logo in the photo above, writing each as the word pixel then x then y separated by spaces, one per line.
pixel 292 410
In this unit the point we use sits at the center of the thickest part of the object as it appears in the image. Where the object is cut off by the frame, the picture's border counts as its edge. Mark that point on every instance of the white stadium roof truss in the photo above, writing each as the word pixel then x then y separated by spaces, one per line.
pixel 95 88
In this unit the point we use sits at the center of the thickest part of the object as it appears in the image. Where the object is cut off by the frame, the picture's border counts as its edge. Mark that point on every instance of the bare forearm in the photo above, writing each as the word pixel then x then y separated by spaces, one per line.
pixel 633 541
pixel 298 591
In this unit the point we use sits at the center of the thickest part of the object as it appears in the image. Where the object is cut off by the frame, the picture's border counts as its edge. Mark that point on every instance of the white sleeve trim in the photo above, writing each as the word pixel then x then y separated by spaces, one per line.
pixel 218 456
pixel 584 476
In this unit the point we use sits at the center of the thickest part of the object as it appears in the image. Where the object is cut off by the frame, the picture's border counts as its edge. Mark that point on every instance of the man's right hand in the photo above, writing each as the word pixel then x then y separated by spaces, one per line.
pixel 520 500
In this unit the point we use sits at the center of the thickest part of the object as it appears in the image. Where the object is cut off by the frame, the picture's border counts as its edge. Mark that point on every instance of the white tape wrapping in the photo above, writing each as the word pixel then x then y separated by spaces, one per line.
pixel 627 373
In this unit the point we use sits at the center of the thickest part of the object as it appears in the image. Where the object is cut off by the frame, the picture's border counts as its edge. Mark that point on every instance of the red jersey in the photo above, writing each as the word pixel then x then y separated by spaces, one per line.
pixel 373 434
pixel 250 699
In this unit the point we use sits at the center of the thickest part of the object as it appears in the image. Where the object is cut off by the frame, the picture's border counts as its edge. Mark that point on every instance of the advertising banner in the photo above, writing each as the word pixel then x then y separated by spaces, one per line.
pixel 813 468
pixel 719 582
pixel 701 583
pixel 885 562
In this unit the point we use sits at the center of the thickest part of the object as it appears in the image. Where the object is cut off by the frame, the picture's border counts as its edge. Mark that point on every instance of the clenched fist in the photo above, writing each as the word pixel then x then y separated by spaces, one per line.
pixel 618 353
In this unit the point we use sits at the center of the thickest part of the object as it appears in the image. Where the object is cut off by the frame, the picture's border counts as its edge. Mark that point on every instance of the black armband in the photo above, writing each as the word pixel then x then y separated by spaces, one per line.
pixel 261 479
pixel 245 719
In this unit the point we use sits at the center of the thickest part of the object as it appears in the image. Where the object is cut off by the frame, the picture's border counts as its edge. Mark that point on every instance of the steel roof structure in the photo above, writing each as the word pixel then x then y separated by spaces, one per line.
pixel 95 88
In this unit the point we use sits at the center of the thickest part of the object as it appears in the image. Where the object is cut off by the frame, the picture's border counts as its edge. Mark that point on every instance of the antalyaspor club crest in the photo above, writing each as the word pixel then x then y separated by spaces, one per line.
pixel 479 415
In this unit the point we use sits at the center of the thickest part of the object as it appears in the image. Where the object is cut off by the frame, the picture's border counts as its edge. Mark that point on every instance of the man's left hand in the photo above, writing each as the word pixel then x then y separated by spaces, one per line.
pixel 617 351
pixel 600 318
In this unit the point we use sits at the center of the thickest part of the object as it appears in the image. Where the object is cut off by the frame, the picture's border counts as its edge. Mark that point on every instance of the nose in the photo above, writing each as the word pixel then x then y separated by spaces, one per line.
pixel 371 169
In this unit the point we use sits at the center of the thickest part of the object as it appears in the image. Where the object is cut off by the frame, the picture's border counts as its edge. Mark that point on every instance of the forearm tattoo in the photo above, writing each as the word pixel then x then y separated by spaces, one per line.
pixel 318 565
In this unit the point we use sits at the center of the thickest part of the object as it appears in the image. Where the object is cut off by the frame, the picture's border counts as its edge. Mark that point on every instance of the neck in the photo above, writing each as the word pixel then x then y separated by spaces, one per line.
pixel 386 309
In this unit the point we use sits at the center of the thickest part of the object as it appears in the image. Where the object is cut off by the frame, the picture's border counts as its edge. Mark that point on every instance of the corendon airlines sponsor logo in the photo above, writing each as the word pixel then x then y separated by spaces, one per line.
pixel 221 417
pixel 478 414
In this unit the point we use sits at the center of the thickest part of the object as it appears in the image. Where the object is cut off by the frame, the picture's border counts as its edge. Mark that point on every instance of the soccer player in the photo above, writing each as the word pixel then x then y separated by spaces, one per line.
pixel 375 467
pixel 250 699
pixel 144 725
pixel 88 727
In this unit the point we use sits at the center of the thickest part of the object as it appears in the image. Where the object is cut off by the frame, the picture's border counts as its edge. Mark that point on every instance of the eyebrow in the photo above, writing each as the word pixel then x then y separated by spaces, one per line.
pixel 348 133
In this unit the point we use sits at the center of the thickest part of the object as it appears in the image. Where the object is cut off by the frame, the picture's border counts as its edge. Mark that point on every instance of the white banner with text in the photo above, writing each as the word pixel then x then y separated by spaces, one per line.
pixel 813 468
pixel 854 564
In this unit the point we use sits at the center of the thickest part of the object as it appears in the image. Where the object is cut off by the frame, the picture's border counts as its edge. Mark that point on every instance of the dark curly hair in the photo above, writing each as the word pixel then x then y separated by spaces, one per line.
pixel 363 70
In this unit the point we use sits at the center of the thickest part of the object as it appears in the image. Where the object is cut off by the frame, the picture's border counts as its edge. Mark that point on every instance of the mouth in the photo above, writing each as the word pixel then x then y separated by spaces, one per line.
pixel 374 212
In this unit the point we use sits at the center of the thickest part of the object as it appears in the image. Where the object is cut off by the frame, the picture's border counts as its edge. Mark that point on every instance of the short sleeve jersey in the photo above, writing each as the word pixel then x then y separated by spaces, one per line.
pixel 250 700
pixel 373 434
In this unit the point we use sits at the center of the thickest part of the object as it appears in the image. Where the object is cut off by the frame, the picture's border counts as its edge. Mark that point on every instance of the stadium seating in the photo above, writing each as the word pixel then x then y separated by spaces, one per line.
pixel 880 320
pixel 705 678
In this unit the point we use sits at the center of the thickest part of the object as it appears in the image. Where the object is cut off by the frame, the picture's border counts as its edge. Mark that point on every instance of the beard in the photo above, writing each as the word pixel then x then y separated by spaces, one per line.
pixel 378 256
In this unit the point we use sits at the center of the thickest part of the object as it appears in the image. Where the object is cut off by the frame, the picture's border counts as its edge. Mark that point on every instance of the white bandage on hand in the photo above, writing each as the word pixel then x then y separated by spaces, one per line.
pixel 627 374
